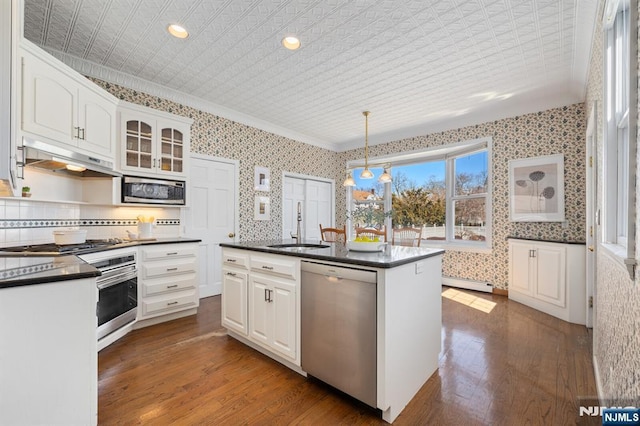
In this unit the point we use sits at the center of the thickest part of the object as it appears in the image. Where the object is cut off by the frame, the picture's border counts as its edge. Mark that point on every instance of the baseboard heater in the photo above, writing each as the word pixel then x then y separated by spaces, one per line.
pixel 467 284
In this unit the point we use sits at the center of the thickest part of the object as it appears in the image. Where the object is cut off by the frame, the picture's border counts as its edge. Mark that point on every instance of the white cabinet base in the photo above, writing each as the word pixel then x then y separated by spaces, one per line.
pixel 549 277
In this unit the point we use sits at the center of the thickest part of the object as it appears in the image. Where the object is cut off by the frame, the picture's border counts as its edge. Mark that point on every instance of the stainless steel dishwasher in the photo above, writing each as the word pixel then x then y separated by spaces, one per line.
pixel 338 327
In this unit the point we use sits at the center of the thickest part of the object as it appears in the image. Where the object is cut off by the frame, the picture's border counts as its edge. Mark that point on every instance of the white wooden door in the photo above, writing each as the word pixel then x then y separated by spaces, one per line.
pixel 212 215
pixel 317 202
pixel 592 207
pixel 293 193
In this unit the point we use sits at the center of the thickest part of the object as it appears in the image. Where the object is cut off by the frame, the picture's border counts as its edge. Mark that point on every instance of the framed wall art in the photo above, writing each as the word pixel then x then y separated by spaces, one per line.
pixel 261 179
pixel 262 209
pixel 536 189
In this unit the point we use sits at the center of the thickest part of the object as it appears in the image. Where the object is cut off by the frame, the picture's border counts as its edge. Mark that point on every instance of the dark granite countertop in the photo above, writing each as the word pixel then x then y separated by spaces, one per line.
pixel 22 271
pixel 544 240
pixel 337 252
pixel 18 269
pixel 123 244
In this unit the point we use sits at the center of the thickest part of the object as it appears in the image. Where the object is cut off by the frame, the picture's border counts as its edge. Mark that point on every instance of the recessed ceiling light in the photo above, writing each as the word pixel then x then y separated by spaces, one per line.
pixel 291 42
pixel 177 31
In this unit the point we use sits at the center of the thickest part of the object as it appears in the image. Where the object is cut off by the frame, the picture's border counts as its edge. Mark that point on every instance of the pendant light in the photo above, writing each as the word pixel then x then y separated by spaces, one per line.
pixel 385 176
pixel 366 173
pixel 349 180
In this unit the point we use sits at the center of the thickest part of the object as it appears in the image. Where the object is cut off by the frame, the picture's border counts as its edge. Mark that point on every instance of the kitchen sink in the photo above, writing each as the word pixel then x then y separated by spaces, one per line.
pixel 300 245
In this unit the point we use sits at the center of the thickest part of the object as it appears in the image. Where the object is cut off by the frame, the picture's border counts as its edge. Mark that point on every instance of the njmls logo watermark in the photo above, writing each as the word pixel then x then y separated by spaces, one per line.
pixel 592 411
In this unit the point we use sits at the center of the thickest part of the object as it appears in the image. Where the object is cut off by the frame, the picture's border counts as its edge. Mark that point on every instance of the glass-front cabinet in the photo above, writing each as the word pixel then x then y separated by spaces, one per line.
pixel 139 145
pixel 171 155
pixel 153 144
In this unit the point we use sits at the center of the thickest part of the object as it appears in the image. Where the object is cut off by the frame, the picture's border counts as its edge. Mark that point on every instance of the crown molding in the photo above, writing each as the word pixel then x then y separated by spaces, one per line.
pixel 91 69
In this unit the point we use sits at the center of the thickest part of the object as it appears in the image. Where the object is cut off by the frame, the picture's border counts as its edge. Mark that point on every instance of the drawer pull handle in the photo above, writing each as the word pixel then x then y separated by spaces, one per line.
pixel 172 269
pixel 172 303
pixel 173 253
pixel 269 268
pixel 231 260
pixel 233 274
pixel 172 286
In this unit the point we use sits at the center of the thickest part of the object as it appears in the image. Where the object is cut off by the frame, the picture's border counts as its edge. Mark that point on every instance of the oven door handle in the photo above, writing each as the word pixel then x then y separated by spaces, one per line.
pixel 114 279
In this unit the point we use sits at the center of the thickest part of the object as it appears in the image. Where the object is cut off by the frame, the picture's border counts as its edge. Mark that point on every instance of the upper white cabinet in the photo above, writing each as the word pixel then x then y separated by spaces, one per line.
pixel 153 143
pixel 65 108
pixel 549 277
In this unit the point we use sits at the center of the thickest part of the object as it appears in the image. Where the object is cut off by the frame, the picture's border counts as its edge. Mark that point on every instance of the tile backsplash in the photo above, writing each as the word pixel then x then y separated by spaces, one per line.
pixel 33 222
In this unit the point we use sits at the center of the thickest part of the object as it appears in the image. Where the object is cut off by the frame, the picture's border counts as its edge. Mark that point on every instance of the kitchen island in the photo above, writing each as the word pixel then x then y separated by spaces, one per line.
pixel 261 307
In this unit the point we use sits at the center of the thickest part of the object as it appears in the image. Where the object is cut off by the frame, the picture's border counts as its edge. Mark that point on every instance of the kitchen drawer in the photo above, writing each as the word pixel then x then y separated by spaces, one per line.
pixel 169 303
pixel 275 265
pixel 168 251
pixel 171 284
pixel 235 258
pixel 173 267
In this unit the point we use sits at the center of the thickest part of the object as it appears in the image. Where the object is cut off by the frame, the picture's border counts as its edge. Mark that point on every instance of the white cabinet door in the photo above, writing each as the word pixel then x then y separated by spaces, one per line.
pixel 259 309
pixel 97 121
pixel 272 314
pixel 49 101
pixel 234 300
pixel 550 274
pixel 520 271
pixel 137 136
pixel 284 318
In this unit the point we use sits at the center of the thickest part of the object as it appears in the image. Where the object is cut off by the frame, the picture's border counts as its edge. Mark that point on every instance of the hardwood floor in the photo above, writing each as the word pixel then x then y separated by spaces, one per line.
pixel 510 366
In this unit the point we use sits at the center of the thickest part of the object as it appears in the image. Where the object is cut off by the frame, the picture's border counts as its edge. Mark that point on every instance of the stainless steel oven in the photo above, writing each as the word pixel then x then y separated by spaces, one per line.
pixel 152 191
pixel 117 287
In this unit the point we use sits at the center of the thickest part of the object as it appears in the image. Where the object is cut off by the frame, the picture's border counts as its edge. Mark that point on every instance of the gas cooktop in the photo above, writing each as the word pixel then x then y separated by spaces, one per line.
pixel 57 250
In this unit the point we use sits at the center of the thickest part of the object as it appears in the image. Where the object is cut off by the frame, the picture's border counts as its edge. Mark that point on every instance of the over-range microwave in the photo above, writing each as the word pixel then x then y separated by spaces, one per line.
pixel 146 190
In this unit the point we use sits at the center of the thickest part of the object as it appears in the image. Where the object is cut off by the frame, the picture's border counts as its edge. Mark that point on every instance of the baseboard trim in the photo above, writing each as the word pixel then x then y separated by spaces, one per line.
pixel 501 292
pixel 467 284
pixel 596 374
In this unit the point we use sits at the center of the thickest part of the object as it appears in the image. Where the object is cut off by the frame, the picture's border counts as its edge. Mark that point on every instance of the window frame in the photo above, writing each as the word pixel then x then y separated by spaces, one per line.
pixel 619 131
pixel 448 153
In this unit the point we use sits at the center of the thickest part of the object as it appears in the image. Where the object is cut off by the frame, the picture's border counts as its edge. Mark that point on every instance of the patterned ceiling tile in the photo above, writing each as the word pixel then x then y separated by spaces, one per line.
pixel 412 62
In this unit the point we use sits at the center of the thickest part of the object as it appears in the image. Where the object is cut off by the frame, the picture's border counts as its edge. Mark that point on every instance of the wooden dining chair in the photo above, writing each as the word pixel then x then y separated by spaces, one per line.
pixel 372 233
pixel 406 237
pixel 333 234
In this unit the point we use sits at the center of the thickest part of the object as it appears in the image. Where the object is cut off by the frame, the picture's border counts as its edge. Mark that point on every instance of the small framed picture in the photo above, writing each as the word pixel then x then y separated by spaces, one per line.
pixel 261 179
pixel 262 208
pixel 536 189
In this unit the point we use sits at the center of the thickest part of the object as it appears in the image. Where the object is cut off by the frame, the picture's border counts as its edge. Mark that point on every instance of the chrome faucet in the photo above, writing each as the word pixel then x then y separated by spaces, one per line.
pixel 298 234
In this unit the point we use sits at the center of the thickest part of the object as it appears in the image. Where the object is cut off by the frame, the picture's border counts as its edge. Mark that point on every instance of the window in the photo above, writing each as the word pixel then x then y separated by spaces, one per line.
pixel 444 191
pixel 620 106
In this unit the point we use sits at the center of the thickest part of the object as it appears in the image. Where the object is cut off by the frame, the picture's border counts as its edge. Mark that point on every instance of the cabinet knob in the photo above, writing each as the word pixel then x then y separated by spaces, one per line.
pixel 591 248
pixel 231 234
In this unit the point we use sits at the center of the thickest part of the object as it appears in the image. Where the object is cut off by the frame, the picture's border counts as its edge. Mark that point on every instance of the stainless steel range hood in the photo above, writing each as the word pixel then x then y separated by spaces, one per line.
pixel 42 155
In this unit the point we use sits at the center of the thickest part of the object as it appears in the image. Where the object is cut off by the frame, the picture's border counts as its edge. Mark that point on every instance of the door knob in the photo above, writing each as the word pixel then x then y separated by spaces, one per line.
pixel 231 235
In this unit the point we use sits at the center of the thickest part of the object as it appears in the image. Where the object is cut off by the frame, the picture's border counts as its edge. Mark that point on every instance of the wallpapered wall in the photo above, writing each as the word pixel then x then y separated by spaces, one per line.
pixel 549 132
pixel 617 301
pixel 220 137
pixel 559 130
